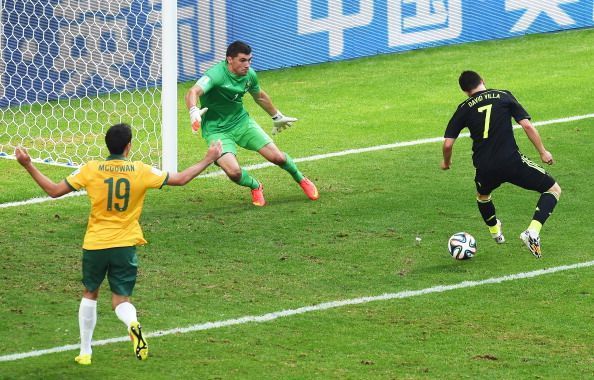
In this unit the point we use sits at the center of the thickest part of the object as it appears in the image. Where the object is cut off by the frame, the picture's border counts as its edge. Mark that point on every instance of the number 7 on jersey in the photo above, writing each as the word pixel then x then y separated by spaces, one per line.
pixel 486 109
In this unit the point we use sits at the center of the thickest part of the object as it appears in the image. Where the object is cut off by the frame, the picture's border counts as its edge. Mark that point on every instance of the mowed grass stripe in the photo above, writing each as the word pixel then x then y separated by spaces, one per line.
pixel 307 309
pixel 315 157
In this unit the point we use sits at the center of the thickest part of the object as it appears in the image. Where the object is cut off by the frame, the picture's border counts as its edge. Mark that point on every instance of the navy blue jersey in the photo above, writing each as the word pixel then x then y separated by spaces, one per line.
pixel 487 115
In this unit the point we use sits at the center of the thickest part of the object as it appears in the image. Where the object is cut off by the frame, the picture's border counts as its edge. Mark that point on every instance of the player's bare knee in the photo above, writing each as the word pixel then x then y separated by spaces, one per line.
pixel 483 198
pixel 117 299
pixel 234 173
pixel 555 190
pixel 92 295
pixel 278 159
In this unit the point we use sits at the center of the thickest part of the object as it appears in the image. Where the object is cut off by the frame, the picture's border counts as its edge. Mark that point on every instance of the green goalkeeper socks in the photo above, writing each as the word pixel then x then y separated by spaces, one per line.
pixel 247 180
pixel 291 168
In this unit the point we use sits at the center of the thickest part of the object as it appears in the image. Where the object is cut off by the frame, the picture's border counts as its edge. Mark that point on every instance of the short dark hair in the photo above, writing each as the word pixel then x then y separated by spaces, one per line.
pixel 117 137
pixel 238 47
pixel 469 80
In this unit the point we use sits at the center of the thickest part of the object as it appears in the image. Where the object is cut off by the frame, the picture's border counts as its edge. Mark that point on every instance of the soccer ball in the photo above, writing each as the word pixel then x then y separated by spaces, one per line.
pixel 462 246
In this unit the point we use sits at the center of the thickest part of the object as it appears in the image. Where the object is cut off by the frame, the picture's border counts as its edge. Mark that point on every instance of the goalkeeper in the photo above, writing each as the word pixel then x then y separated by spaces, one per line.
pixel 223 117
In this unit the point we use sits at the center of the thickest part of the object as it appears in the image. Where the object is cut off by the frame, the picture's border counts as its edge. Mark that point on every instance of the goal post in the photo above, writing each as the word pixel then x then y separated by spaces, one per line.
pixel 71 68
pixel 169 93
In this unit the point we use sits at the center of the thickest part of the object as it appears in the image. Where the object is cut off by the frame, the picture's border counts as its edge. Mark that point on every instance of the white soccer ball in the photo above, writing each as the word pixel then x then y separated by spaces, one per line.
pixel 462 246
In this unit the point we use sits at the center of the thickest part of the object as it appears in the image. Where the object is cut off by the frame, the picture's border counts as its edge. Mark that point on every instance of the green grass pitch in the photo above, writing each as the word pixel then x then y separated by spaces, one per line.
pixel 212 256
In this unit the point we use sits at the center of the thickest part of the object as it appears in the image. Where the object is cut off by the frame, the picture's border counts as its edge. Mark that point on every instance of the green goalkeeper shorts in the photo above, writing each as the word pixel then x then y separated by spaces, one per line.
pixel 119 264
pixel 248 136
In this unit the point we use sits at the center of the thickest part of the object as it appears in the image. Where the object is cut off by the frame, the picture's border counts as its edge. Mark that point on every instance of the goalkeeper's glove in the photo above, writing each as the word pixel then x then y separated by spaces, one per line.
pixel 196 117
pixel 281 122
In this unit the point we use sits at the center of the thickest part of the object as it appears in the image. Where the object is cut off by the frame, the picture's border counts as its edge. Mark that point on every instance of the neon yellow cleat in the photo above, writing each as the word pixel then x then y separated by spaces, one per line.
pixel 498 234
pixel 83 359
pixel 140 345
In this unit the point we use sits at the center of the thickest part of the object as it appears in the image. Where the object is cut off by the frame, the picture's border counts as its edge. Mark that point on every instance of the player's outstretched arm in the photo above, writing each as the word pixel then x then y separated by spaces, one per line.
pixel 51 188
pixel 447 150
pixel 534 137
pixel 280 122
pixel 180 179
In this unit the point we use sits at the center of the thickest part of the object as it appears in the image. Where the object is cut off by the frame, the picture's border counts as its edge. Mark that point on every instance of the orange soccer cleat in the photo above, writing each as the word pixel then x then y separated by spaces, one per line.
pixel 258 196
pixel 309 189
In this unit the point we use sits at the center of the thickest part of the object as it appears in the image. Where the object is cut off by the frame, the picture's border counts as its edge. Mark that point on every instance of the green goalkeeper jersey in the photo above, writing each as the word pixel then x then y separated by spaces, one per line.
pixel 223 95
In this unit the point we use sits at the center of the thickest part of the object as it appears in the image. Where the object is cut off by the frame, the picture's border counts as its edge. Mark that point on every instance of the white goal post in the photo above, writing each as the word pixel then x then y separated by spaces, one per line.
pixel 71 68
pixel 169 92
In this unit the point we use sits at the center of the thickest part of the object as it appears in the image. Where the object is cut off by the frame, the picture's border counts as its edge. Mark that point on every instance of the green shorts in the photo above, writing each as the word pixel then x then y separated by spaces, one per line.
pixel 120 264
pixel 248 136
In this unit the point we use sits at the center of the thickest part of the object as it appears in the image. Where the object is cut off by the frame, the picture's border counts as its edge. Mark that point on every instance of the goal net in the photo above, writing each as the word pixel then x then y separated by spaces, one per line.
pixel 71 68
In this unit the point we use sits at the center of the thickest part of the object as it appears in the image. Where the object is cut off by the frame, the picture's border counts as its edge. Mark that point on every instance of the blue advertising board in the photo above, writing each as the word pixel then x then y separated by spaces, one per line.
pixel 290 33
pixel 49 52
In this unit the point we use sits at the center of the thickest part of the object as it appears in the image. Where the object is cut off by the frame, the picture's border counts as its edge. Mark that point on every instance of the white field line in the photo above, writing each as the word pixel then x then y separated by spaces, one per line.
pixel 41 200
pixel 395 145
pixel 307 309
pixel 312 158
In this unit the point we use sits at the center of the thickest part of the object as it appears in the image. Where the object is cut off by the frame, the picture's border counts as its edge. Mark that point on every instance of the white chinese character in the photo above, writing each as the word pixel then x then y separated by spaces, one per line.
pixel 425 16
pixel 212 35
pixel 335 23
pixel 434 20
pixel 534 8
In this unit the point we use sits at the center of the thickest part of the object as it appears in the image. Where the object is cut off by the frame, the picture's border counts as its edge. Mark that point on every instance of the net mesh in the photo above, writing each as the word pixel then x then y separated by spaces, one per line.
pixel 71 68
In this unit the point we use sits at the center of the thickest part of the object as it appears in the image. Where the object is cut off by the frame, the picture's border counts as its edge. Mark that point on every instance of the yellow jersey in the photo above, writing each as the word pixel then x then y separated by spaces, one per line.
pixel 116 189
